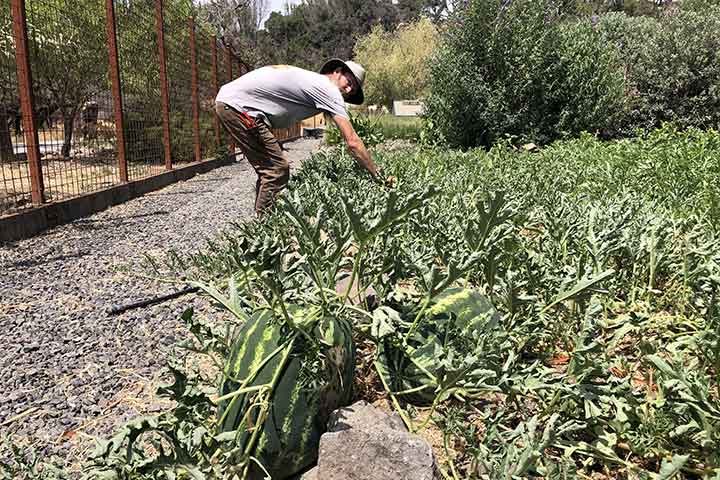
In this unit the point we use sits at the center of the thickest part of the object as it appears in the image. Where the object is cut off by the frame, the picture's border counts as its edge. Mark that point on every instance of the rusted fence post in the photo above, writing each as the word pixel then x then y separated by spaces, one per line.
pixel 195 101
pixel 228 63
pixel 27 102
pixel 116 88
pixel 216 87
pixel 160 27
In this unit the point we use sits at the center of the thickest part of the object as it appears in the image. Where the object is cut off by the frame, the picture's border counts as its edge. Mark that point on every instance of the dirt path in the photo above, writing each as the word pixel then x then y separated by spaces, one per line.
pixel 68 370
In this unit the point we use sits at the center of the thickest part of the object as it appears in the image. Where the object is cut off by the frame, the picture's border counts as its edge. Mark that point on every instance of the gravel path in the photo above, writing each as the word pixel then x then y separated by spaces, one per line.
pixel 67 367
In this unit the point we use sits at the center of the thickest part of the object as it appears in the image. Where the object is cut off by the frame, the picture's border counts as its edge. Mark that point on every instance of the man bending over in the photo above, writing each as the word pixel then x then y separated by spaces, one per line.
pixel 279 96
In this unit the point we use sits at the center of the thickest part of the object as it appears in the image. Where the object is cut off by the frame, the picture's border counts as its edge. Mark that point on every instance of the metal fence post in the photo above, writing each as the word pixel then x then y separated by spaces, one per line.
pixel 27 102
pixel 195 101
pixel 116 88
pixel 160 27
pixel 216 87
pixel 228 63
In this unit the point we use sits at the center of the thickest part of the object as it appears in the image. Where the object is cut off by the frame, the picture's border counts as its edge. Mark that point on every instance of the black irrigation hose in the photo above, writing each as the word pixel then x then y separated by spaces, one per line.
pixel 117 309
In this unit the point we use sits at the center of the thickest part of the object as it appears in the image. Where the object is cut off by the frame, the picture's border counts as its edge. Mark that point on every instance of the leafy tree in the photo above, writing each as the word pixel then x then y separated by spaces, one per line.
pixel 237 23
pixel 69 57
pixel 309 33
pixel 319 29
pixel 141 76
pixel 397 61
pixel 630 7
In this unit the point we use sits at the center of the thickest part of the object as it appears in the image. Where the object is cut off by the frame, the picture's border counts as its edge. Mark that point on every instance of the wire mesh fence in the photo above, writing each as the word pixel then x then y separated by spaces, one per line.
pixel 69 64
pixel 117 90
pixel 14 168
pixel 177 42
pixel 207 90
pixel 137 46
pixel 224 76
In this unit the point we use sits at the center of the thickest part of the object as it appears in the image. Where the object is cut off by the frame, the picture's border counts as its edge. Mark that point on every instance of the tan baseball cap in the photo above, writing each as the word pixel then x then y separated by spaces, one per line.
pixel 357 71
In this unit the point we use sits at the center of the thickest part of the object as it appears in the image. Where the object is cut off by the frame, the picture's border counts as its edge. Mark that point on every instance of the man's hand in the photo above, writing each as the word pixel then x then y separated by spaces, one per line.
pixel 386 181
pixel 356 146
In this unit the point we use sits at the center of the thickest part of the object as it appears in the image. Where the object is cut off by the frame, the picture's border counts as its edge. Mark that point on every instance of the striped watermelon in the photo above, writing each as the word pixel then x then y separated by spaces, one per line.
pixel 453 324
pixel 298 414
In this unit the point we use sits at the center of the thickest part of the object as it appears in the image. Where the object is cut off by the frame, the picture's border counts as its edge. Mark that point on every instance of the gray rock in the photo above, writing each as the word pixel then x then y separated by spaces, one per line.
pixel 311 474
pixel 357 454
pixel 362 415
pixel 365 443
pixel 355 296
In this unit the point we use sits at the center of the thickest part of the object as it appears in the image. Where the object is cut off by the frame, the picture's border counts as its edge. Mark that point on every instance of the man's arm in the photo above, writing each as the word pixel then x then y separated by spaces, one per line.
pixel 356 145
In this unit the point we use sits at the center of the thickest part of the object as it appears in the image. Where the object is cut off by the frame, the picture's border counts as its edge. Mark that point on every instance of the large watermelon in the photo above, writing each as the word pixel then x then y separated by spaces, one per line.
pixel 459 339
pixel 300 406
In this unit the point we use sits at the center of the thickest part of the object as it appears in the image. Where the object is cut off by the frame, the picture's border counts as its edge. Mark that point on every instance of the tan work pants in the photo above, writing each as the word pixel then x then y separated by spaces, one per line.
pixel 262 150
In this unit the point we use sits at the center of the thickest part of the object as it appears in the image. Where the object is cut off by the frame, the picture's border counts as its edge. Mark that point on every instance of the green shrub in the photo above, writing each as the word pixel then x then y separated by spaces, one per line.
pixel 672 65
pixel 399 128
pixel 524 70
pixel 366 128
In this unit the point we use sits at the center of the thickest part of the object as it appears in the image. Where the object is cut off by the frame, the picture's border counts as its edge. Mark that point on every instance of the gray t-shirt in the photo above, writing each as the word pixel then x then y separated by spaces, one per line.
pixel 283 94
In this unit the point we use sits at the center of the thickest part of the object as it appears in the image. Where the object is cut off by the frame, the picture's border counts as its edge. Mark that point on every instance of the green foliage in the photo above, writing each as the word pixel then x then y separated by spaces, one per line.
pixel 20 462
pixel 629 7
pixel 521 70
pixel 367 128
pixel 537 72
pixel 557 311
pixel 672 66
pixel 397 61
pixel 601 262
pixel 399 128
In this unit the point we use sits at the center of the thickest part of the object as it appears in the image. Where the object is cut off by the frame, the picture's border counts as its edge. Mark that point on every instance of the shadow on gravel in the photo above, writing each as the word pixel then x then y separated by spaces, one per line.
pixel 173 194
pixel 97 223
pixel 211 180
pixel 88 221
pixel 42 261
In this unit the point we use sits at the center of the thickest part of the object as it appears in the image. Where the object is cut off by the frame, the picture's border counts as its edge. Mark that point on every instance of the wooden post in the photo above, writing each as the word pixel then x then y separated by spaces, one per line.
pixel 27 102
pixel 195 101
pixel 116 88
pixel 160 27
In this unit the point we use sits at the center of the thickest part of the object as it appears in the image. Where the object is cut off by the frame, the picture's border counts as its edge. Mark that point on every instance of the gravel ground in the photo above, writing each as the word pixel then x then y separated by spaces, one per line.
pixel 70 371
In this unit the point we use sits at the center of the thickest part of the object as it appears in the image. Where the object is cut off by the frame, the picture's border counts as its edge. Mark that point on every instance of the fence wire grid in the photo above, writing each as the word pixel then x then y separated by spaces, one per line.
pixel 82 145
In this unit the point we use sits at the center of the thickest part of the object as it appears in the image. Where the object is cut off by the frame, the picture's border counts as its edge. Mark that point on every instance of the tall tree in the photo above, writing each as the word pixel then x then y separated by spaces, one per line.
pixel 68 57
pixel 68 60
pixel 318 29
pixel 397 60
pixel 238 24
